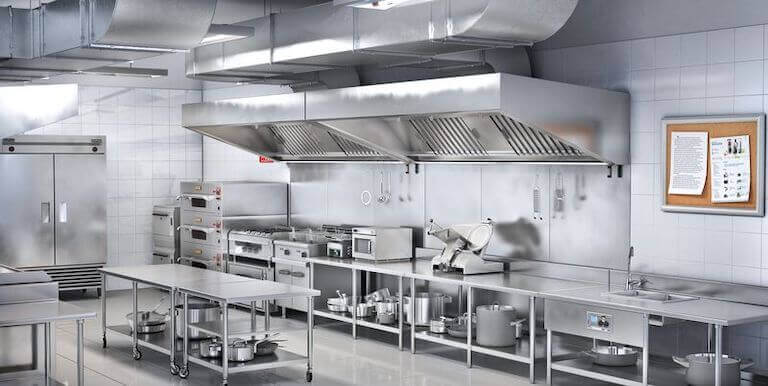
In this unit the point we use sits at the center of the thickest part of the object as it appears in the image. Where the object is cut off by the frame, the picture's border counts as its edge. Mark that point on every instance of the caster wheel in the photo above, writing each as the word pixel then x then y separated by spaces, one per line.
pixel 136 354
pixel 224 383
pixel 184 372
pixel 174 369
pixel 309 377
pixel 104 342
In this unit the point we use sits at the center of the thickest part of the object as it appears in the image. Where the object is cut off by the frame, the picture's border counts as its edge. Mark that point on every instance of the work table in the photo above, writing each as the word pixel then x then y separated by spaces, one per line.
pixel 709 311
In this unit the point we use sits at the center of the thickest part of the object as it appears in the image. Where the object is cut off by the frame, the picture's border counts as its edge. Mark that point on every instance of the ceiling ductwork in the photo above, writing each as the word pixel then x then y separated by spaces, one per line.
pixel 477 118
pixel 437 35
pixel 68 36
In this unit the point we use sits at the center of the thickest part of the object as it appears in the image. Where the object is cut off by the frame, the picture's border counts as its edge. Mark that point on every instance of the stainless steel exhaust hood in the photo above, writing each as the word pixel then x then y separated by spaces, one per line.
pixel 477 118
pixel 327 36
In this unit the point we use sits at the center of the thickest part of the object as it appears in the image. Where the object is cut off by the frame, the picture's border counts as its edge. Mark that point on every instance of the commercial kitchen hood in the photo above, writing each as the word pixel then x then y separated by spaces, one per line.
pixel 476 118
pixel 440 34
pixel 67 36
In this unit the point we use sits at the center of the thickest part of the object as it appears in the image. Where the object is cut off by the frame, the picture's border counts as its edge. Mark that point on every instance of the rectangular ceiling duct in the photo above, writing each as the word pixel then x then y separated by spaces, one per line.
pixel 478 118
pixel 329 36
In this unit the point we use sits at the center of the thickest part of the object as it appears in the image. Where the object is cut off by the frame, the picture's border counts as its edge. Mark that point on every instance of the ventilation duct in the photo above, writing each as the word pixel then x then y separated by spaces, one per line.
pixel 478 118
pixel 435 35
pixel 76 35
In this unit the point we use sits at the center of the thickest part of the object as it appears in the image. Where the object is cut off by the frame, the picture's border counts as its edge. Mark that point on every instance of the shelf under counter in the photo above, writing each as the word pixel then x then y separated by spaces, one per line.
pixel 240 328
pixel 661 371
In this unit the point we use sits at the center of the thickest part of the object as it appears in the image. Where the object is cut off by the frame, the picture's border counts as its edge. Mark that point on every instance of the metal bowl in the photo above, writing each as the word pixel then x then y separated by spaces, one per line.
pixel 615 356
pixel 150 322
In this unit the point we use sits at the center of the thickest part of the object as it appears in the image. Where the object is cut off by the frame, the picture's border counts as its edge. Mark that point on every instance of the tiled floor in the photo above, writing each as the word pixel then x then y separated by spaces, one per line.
pixel 339 360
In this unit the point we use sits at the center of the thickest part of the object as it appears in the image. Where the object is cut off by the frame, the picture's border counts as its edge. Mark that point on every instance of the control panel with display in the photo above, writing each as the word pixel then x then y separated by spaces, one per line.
pixel 599 322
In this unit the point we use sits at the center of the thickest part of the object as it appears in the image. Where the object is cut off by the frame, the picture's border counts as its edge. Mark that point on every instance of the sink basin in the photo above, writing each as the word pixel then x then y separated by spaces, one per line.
pixel 653 296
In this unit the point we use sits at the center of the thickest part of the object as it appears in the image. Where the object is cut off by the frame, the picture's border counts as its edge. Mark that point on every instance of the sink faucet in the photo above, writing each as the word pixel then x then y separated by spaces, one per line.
pixel 630 285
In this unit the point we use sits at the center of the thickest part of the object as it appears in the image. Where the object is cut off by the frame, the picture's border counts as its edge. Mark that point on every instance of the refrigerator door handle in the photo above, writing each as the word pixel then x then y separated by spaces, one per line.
pixel 63 212
pixel 45 212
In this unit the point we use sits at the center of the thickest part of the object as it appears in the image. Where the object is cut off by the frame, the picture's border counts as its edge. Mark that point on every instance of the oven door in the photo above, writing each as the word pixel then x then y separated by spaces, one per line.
pixel 200 235
pixel 251 271
pixel 199 263
pixel 162 225
pixel 364 247
pixel 199 202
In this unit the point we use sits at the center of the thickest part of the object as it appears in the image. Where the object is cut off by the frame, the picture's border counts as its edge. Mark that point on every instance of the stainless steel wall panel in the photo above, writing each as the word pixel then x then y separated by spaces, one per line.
pixel 453 195
pixel 27 218
pixel 309 194
pixel 345 184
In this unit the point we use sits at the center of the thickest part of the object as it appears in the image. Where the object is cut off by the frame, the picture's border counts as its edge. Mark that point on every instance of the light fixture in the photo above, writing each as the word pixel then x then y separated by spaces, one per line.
pixel 135 72
pixel 378 4
pixel 135 48
pixel 219 33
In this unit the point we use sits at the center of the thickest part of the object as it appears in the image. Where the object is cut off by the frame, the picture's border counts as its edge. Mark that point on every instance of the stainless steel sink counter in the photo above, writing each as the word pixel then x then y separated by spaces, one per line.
pixel 702 310
pixel 422 270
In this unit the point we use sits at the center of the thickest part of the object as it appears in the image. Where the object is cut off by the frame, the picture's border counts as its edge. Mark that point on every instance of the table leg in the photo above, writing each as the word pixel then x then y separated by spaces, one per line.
pixel 48 351
pixel 710 336
pixel 532 339
pixel 469 327
pixel 267 317
pixel 184 371
pixel 104 310
pixel 646 349
pixel 224 344
pixel 172 312
pixel 412 307
pixel 135 332
pixel 354 302
pixel 400 313
pixel 253 316
pixel 718 355
pixel 310 335
pixel 549 357
pixel 80 348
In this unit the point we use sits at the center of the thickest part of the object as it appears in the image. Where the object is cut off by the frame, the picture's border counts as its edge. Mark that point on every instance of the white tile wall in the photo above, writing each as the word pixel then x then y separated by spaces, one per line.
pixel 148 153
pixel 714 72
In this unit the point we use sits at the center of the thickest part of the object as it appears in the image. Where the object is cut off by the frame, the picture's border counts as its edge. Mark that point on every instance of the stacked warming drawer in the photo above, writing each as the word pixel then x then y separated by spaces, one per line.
pixel 210 209
pixel 165 234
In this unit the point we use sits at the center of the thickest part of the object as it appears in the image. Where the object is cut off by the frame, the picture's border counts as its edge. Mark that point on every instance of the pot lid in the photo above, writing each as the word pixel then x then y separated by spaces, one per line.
pixel 709 358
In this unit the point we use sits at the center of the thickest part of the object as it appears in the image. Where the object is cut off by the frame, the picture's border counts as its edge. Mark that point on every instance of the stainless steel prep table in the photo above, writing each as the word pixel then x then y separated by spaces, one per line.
pixel 165 276
pixel 45 313
pixel 249 291
pixel 713 312
pixel 419 269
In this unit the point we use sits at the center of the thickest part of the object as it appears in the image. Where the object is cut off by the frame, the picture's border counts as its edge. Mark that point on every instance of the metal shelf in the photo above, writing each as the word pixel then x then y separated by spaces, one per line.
pixel 661 371
pixel 443 339
pixel 32 381
pixel 240 328
pixel 159 342
pixel 370 322
pixel 339 316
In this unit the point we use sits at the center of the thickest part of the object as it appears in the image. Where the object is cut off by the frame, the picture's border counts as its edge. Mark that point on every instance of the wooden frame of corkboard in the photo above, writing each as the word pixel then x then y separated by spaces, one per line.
pixel 717 126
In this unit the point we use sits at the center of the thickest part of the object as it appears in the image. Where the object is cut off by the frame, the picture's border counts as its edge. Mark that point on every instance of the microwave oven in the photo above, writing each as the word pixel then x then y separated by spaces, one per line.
pixel 382 243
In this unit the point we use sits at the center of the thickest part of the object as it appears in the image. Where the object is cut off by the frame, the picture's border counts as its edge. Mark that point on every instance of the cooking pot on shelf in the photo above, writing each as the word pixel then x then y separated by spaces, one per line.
pixel 150 322
pixel 612 355
pixel 497 326
pixel 700 369
pixel 364 310
pixel 240 350
pixel 198 313
pixel 428 306
pixel 387 305
pixel 210 348
pixel 457 327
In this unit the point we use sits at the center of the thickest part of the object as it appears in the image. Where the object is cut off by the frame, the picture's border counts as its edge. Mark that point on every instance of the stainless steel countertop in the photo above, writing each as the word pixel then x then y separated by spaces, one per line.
pixel 699 310
pixel 247 291
pixel 420 269
pixel 41 312
pixel 171 275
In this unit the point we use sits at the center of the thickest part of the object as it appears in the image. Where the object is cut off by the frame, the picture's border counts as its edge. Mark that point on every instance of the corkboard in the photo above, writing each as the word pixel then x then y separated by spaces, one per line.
pixel 717 128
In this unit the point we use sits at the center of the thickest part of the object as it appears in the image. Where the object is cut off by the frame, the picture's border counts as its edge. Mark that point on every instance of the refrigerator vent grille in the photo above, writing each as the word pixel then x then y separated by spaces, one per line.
pixel 526 140
pixel 448 136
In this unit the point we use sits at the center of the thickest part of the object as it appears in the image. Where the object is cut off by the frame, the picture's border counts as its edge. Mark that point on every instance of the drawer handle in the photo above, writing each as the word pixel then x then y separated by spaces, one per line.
pixel 298 274
pixel 284 272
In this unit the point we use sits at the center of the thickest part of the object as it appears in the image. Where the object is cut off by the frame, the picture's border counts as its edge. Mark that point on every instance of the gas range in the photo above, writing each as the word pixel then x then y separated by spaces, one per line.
pixel 255 243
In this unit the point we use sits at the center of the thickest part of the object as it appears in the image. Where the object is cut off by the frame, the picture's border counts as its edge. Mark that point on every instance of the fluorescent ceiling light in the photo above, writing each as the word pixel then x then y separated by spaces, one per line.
pixel 219 33
pixel 135 48
pixel 135 72
pixel 378 4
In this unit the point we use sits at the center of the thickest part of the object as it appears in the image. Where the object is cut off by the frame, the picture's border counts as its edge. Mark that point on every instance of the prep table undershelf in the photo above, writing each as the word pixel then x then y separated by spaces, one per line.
pixel 662 371
pixel 160 342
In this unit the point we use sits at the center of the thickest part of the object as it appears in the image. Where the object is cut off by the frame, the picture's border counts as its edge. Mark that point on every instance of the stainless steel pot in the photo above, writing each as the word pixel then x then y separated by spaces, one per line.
pixel 240 351
pixel 338 304
pixel 457 327
pixel 438 326
pixel 364 310
pixel 378 295
pixel 701 369
pixel 428 306
pixel 210 348
pixel 615 356
pixel 387 305
pixel 265 348
pixel 497 326
pixel 386 317
pixel 150 322
pixel 198 313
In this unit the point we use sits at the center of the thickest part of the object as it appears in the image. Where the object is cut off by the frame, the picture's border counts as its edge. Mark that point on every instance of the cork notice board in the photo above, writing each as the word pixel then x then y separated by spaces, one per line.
pixel 752 125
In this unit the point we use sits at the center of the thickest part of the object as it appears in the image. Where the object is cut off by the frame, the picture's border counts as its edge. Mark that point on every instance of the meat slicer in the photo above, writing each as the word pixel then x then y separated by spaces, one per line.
pixel 464 249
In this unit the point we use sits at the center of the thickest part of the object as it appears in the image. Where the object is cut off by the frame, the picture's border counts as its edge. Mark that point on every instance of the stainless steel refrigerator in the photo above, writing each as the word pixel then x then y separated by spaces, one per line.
pixel 53 214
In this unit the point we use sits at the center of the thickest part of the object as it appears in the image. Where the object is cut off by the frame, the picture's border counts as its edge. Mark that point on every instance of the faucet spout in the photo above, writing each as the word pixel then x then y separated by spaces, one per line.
pixel 628 285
